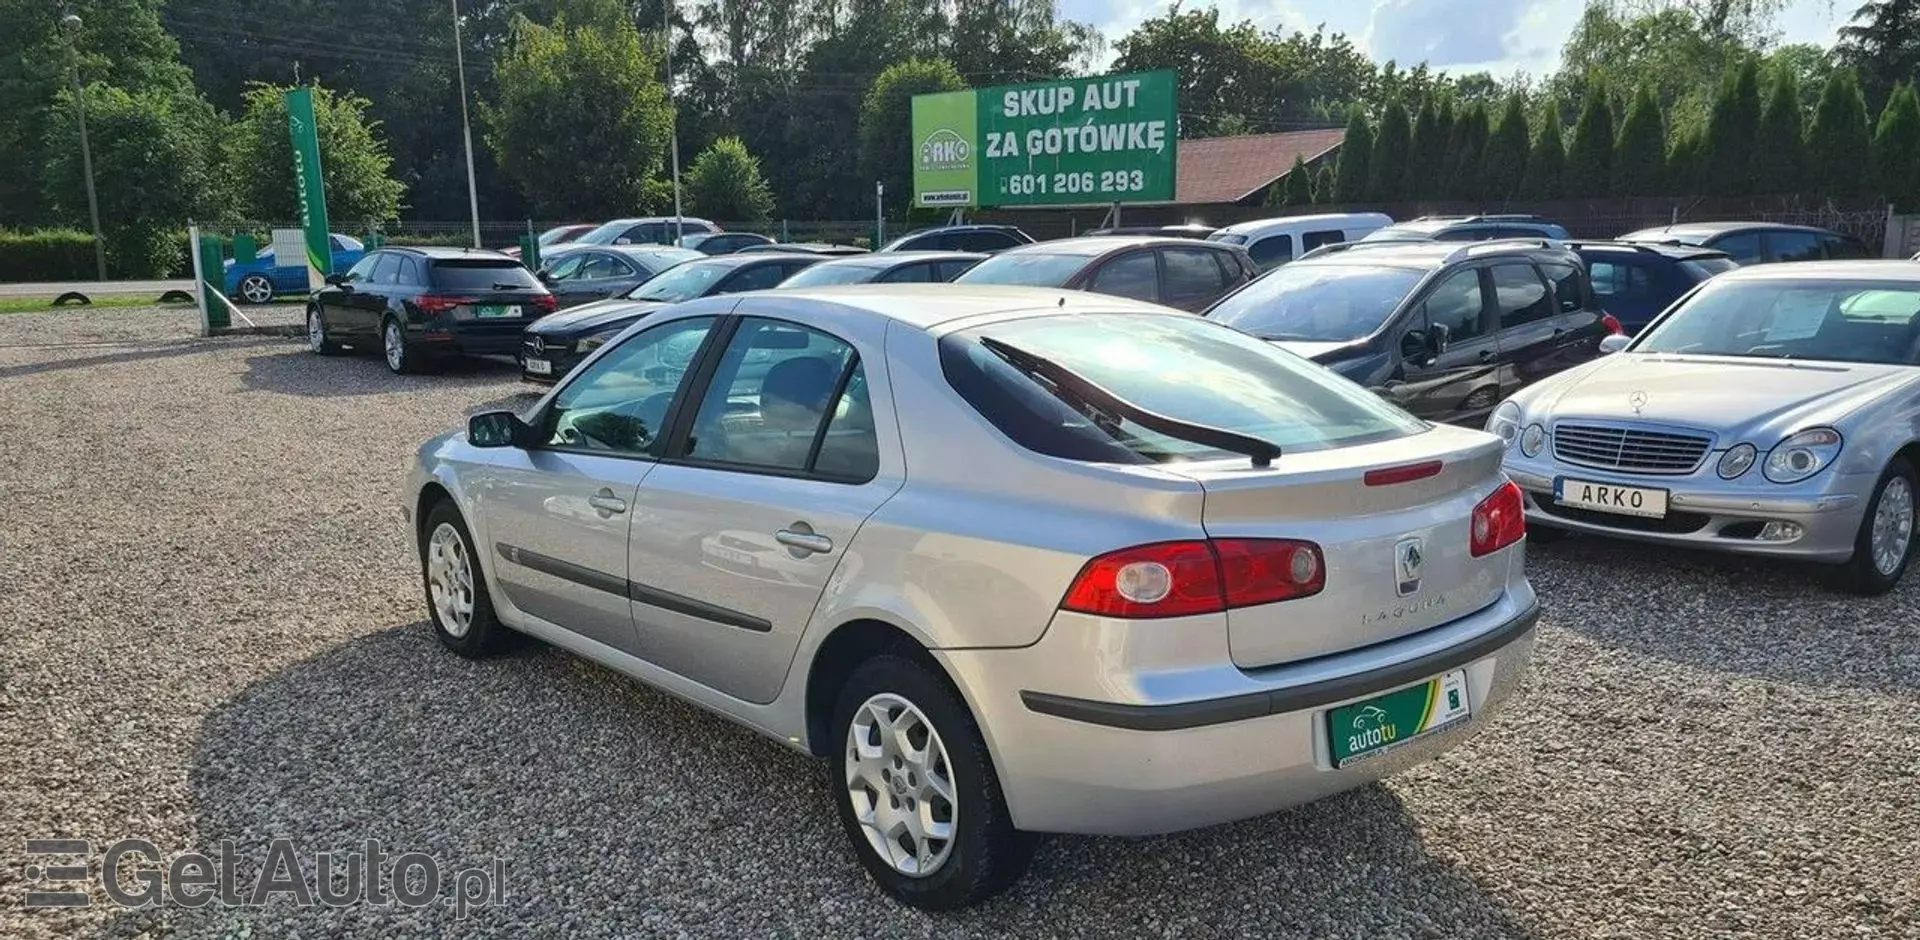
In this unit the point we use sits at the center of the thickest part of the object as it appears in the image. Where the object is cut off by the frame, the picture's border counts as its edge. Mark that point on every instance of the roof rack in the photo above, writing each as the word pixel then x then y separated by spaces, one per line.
pixel 1469 249
pixel 1484 217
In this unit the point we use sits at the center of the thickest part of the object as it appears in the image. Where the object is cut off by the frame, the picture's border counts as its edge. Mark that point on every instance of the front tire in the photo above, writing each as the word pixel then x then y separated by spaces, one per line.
pixel 456 588
pixel 1884 545
pixel 917 792
pixel 255 289
pixel 319 342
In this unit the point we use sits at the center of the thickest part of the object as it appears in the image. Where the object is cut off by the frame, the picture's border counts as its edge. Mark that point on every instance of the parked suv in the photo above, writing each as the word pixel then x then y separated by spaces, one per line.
pixel 1177 272
pixel 981 238
pixel 420 305
pixel 1635 282
pixel 1758 242
pixel 1446 331
pixel 1468 228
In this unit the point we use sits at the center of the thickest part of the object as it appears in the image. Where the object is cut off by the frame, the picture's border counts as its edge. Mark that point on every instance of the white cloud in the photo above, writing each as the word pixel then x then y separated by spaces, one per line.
pixel 1116 19
pixel 1469 35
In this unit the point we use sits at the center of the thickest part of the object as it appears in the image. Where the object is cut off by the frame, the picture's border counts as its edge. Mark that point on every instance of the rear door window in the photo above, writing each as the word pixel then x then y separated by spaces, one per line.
pixel 1569 287
pixel 1794 246
pixel 1743 246
pixel 1520 295
pixel 759 277
pixel 385 269
pixel 948 270
pixel 1845 247
pixel 480 274
pixel 604 266
pixel 980 241
pixel 1621 280
pixel 1193 276
pixel 1312 240
pixel 1135 275
pixel 910 274
pixel 1186 368
pixel 1272 250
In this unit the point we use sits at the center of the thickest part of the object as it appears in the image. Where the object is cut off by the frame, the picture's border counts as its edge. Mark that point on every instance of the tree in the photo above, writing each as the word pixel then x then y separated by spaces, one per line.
pixel 1882 43
pixel 1838 141
pixel 1323 185
pixel 582 120
pixel 1465 152
pixel 1387 167
pixel 353 158
pixel 1423 160
pixel 1356 150
pixel 1684 162
pixel 1639 155
pixel 1505 166
pixel 1733 131
pixel 1218 67
pixel 1547 161
pixel 725 183
pixel 1896 149
pixel 886 120
pixel 1590 155
pixel 1780 159
pixel 1298 184
pixel 155 165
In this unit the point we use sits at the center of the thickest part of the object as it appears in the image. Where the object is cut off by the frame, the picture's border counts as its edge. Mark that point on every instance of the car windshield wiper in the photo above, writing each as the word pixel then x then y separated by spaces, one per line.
pixel 1262 452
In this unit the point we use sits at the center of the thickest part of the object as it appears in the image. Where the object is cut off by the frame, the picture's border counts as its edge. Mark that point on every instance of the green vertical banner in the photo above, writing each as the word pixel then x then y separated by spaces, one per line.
pixel 945 132
pixel 306 175
pixel 212 262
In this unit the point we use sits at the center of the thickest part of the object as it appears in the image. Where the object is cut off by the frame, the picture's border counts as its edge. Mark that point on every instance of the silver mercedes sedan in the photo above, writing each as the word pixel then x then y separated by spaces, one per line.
pixel 1774 410
pixel 1016 560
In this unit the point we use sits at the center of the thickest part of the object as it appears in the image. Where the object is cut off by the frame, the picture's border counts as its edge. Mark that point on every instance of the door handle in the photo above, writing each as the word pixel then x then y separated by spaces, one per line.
pixel 804 540
pixel 1486 355
pixel 606 502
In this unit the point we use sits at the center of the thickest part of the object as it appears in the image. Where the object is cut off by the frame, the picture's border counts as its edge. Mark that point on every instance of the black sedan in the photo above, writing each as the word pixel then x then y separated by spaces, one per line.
pixel 553 346
pixel 1177 272
pixel 888 267
pixel 597 272
pixel 723 243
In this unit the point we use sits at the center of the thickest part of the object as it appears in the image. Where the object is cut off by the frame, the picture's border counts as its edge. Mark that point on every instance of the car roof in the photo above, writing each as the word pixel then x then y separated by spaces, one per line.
pixel 742 259
pixel 1290 221
pixel 438 252
pixel 1874 269
pixel 1718 228
pixel 889 260
pixel 930 306
pixel 1428 254
pixel 1093 245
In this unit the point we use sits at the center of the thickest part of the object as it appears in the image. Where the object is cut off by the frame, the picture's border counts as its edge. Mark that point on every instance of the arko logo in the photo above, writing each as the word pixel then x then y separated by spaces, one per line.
pixel 945 149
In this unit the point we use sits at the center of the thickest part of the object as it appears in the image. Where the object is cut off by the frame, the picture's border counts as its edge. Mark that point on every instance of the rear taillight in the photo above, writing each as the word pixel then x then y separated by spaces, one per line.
pixel 1177 579
pixel 547 303
pixel 1499 521
pixel 439 303
pixel 1612 323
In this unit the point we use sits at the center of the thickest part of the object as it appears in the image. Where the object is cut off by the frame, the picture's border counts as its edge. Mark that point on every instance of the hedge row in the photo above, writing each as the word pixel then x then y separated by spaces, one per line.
pixel 46 255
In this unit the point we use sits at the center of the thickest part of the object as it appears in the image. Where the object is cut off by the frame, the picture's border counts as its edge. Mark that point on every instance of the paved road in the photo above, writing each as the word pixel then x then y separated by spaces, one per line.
pixel 91 288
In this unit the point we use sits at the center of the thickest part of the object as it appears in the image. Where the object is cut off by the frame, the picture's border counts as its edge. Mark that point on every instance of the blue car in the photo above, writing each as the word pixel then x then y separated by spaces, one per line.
pixel 260 280
pixel 1635 282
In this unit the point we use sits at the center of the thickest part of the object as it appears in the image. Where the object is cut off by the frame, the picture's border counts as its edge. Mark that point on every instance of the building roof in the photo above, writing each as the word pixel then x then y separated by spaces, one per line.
pixel 1229 169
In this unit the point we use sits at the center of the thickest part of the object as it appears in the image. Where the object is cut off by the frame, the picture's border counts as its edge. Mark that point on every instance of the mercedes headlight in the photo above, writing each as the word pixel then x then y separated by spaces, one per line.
pixel 1802 455
pixel 1532 439
pixel 1737 460
pixel 1505 421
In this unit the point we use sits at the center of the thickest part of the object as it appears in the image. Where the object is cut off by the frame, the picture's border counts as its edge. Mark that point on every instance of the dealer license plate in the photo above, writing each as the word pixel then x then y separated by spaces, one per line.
pixel 1607 497
pixel 539 367
pixel 1380 724
pixel 486 311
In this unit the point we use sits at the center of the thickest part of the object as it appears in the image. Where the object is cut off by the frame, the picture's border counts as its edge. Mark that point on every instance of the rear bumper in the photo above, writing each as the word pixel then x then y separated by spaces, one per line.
pixel 1088 765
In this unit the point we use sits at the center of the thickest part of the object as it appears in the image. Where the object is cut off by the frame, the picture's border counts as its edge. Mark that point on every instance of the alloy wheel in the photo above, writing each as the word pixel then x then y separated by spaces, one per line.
pixel 901 784
pixel 396 347
pixel 1892 525
pixel 256 289
pixel 316 332
pixel 450 579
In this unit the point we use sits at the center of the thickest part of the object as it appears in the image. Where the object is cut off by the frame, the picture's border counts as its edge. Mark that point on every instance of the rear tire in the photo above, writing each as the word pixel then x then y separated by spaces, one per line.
pixel 456 587
pixel 401 356
pixel 1884 546
pixel 935 769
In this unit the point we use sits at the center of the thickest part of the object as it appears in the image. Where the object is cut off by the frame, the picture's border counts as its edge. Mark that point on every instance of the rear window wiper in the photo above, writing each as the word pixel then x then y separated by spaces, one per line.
pixel 510 287
pixel 1262 452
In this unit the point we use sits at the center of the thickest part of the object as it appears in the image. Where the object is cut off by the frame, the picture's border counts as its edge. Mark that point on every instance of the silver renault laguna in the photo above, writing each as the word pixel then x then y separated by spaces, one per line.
pixel 1016 560
pixel 1775 410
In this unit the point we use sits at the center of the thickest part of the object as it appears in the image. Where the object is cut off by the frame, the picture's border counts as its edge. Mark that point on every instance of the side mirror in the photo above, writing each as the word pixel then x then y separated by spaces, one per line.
pixel 1613 343
pixel 1415 345
pixel 498 429
pixel 337 279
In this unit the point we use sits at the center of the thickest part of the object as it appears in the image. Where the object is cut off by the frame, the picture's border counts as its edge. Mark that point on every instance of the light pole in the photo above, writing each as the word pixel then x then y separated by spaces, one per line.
pixel 71 23
pixel 673 114
pixel 466 127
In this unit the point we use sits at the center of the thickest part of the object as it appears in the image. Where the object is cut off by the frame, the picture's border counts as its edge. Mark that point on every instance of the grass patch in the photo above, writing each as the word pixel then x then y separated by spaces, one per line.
pixel 109 302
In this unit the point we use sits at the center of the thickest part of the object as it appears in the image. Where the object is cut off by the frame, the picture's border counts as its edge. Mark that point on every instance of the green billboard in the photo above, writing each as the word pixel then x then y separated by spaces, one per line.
pixel 1079 141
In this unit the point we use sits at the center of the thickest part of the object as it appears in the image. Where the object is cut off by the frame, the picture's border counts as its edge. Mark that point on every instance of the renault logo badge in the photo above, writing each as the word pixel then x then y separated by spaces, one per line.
pixel 1408 557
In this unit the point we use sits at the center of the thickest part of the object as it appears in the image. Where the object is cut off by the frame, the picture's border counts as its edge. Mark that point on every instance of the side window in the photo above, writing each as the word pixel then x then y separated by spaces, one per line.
pixel 601 266
pixel 1464 233
pixel 619 404
pixel 1842 246
pixel 1135 275
pixel 759 277
pixel 567 268
pixel 1312 240
pixel 948 270
pixel 1744 247
pixel 1457 304
pixel 1794 246
pixel 1568 287
pixel 362 270
pixel 1613 280
pixel 787 398
pixel 410 273
pixel 1193 276
pixel 1272 251
pixel 1520 295
pixel 983 241
pixel 910 274
pixel 385 269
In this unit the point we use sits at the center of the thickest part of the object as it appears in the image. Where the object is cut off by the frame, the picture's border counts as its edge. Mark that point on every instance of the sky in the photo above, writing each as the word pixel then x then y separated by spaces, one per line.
pixel 1499 36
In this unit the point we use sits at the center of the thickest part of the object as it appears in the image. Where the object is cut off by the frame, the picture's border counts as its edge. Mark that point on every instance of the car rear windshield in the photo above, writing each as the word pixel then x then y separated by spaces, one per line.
pixel 1779 318
pixel 1314 302
pixel 1029 268
pixel 1180 367
pixel 822 275
pixel 1702 268
pixel 482 274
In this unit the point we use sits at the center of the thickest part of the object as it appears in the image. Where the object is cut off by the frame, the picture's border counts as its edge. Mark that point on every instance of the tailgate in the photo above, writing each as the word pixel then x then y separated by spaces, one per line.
pixel 1397 555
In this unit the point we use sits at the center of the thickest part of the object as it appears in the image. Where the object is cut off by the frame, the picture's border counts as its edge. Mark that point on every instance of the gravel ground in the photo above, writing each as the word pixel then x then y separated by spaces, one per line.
pixel 210 630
